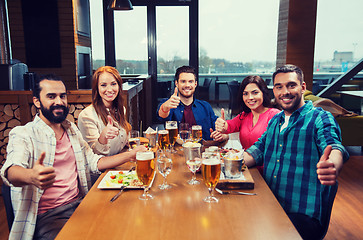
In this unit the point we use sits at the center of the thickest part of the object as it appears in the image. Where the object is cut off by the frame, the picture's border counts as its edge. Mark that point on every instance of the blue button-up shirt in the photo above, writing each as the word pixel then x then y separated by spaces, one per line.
pixel 203 114
pixel 290 157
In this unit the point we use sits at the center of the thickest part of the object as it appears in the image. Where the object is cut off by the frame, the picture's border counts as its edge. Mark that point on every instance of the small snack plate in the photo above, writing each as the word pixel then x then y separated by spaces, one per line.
pixel 116 179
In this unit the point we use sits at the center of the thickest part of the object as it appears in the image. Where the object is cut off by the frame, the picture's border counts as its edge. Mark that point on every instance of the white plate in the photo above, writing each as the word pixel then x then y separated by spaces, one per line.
pixel 108 183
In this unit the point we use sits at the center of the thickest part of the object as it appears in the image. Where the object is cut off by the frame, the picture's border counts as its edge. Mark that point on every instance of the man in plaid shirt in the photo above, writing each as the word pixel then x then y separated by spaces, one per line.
pixel 48 165
pixel 302 153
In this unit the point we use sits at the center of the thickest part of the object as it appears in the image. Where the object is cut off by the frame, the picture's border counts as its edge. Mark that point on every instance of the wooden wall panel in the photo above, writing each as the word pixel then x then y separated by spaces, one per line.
pixel 296 38
pixel 68 40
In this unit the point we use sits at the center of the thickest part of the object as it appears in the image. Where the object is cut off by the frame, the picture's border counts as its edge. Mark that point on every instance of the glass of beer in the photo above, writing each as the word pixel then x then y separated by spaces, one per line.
pixel 163 139
pixel 164 167
pixel 145 170
pixel 211 171
pixel 184 131
pixel 172 127
pixel 197 133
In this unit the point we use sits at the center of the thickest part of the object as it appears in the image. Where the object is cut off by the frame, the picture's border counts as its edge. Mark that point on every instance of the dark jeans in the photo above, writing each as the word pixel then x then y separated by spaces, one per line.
pixel 308 228
pixel 51 222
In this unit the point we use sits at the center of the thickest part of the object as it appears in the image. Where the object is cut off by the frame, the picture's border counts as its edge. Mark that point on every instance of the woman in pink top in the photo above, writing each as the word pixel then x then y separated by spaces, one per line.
pixel 257 111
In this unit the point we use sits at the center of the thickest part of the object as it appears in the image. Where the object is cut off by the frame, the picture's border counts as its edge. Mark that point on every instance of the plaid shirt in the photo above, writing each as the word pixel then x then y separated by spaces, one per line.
pixel 25 146
pixel 290 157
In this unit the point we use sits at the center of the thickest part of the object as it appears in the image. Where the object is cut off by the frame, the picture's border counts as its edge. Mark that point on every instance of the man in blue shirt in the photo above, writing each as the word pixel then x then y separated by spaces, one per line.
pixel 292 148
pixel 184 108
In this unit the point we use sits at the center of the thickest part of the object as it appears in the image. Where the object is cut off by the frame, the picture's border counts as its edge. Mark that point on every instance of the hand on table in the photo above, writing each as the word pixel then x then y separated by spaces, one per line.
pixel 133 152
pixel 218 136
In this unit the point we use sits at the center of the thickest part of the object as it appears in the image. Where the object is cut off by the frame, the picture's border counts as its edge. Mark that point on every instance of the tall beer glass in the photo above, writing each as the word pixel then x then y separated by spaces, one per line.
pixel 211 171
pixel 172 127
pixel 197 133
pixel 145 169
pixel 163 139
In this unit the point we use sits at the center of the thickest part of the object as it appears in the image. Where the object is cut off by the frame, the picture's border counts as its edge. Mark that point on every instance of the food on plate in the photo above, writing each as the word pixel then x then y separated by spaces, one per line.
pixel 125 178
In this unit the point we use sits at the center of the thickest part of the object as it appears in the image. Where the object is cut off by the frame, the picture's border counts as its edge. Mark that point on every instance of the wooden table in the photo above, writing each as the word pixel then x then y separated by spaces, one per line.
pixel 179 213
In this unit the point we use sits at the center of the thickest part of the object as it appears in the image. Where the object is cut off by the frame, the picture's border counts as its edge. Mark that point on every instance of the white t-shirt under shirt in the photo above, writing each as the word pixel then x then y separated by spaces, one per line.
pixel 65 188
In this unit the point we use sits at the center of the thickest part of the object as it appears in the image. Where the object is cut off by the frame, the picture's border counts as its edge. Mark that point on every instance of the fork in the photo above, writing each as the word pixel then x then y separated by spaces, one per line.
pixel 122 188
pixel 233 192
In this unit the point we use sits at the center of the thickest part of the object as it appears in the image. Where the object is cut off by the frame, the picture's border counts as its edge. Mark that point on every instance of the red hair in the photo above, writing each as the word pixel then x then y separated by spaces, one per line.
pixel 117 110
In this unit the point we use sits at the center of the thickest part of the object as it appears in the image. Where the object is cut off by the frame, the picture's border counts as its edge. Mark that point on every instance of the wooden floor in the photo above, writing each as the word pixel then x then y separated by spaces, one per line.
pixel 347 214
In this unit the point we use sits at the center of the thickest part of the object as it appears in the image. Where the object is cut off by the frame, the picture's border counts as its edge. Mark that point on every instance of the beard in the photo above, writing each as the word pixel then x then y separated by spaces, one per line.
pixel 291 107
pixel 54 118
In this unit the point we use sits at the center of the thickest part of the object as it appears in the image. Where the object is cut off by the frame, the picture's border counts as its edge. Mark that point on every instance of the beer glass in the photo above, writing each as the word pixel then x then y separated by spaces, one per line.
pixel 197 133
pixel 184 131
pixel 145 170
pixel 164 167
pixel 172 127
pixel 163 139
pixel 211 171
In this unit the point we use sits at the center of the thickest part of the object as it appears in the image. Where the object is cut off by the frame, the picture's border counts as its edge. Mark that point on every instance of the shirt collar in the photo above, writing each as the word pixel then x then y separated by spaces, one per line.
pixel 41 124
pixel 301 111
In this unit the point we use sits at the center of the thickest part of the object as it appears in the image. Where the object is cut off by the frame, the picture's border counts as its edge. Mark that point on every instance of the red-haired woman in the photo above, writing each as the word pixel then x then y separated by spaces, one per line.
pixel 103 124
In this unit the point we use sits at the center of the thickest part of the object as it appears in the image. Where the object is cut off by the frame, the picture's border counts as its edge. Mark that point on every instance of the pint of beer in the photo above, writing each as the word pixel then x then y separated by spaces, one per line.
pixel 197 133
pixel 172 127
pixel 163 139
pixel 145 167
pixel 211 170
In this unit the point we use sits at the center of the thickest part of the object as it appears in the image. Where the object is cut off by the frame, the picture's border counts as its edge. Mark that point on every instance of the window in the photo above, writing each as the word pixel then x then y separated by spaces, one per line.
pixel 339 39
pixel 237 36
pixel 131 41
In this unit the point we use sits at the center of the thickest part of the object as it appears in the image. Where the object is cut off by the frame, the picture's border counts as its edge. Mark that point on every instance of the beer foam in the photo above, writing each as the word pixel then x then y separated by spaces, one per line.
pixel 196 127
pixel 191 144
pixel 147 155
pixel 163 132
pixel 211 161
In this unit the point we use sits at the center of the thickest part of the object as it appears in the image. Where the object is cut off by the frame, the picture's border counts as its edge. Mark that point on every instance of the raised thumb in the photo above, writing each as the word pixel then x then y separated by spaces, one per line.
pixel 326 153
pixel 41 158
pixel 109 120
pixel 176 91
pixel 222 114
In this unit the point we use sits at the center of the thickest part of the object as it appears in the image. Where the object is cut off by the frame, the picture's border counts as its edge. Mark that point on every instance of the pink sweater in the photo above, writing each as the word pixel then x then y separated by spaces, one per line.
pixel 249 134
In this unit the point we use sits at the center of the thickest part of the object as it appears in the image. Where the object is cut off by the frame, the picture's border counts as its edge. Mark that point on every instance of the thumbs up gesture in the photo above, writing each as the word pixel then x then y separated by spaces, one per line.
pixel 42 177
pixel 173 101
pixel 109 132
pixel 327 173
pixel 221 123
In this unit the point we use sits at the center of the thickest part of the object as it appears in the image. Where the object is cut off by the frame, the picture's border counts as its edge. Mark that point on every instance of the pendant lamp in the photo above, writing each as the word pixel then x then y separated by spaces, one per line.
pixel 120 5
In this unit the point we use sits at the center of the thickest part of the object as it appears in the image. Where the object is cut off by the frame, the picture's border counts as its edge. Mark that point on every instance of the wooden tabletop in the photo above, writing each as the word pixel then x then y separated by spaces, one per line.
pixel 179 212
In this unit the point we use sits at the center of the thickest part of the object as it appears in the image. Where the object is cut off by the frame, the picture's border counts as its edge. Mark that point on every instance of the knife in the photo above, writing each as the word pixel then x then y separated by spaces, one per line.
pixel 118 194
pixel 233 192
